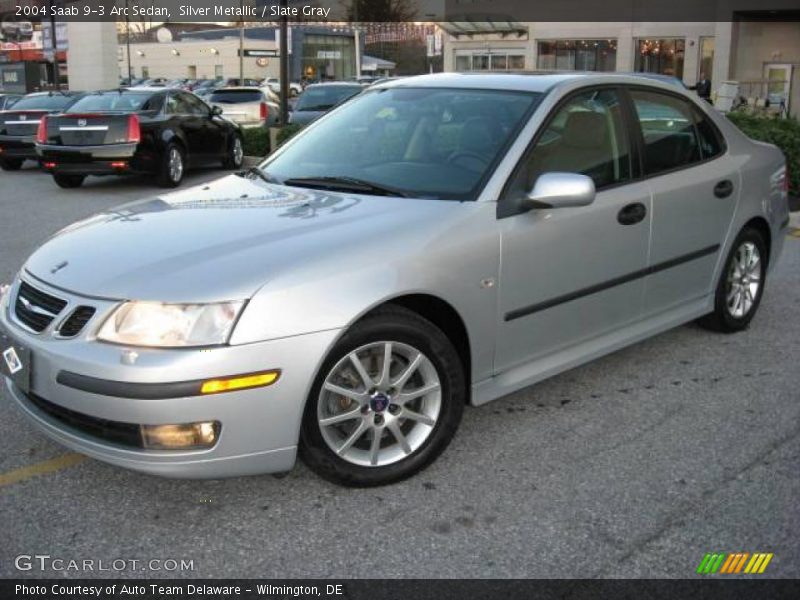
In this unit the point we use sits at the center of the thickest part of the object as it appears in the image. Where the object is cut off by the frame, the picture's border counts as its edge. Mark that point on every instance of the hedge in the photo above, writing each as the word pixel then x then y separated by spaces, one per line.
pixel 784 133
pixel 256 141
pixel 287 132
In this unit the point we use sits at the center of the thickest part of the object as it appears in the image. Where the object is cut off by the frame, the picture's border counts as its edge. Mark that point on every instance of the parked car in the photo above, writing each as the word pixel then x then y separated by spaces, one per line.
pixel 319 98
pixel 274 84
pixel 247 106
pixel 19 124
pixel 179 83
pixel 8 100
pixel 158 131
pixel 435 241
pixel 246 82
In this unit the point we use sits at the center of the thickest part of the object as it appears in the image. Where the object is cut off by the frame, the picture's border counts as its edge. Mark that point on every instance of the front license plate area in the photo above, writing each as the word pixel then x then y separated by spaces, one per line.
pixel 15 361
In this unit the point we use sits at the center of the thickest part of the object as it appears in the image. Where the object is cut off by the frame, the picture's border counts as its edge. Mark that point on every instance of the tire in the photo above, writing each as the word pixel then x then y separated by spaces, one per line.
pixel 68 181
pixel 11 164
pixel 743 278
pixel 171 174
pixel 233 158
pixel 436 413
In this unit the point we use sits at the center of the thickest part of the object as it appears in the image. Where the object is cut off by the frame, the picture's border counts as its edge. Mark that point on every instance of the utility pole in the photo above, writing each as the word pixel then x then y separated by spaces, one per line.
pixel 54 42
pixel 284 50
pixel 128 43
pixel 241 43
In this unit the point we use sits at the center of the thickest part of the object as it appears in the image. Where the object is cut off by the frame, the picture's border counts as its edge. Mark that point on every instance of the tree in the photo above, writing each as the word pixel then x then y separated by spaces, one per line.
pixel 381 10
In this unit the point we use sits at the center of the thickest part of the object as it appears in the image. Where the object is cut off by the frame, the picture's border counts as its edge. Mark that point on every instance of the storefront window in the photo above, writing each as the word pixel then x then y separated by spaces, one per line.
pixel 496 60
pixel 664 56
pixel 329 57
pixel 577 55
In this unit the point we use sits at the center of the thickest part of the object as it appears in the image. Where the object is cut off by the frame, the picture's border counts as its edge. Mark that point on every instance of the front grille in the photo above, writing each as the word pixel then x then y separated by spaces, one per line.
pixel 36 309
pixel 74 323
pixel 124 434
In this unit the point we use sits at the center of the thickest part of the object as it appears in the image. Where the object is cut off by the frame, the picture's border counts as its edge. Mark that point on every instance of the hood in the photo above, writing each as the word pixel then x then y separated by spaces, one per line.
pixel 220 241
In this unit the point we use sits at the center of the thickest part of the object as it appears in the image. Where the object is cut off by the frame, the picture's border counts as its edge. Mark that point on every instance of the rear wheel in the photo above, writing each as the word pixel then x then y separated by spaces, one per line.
pixel 741 284
pixel 233 159
pixel 68 181
pixel 173 166
pixel 386 401
pixel 11 164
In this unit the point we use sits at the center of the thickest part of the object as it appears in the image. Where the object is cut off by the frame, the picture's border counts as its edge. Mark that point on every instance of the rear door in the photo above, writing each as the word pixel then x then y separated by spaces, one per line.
pixel 572 274
pixel 695 190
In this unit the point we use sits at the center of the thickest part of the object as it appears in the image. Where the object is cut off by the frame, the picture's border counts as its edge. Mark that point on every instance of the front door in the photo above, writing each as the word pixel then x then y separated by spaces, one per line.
pixel 779 86
pixel 571 274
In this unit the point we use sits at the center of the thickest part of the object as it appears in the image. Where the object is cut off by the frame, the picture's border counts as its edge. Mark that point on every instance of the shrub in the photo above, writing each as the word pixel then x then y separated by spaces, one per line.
pixel 256 141
pixel 784 133
pixel 286 133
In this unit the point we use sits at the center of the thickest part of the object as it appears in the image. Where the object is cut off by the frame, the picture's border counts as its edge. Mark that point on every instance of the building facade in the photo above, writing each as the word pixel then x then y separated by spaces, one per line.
pixel 762 54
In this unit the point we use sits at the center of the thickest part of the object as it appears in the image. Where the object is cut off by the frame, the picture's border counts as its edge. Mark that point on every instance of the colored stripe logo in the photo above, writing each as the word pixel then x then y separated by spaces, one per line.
pixel 734 563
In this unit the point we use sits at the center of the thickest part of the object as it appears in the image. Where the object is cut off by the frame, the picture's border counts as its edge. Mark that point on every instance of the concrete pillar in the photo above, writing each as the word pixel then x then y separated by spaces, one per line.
pixel 724 48
pixel 92 56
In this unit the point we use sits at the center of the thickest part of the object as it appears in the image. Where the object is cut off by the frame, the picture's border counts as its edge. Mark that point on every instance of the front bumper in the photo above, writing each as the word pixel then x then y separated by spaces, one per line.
pixel 259 427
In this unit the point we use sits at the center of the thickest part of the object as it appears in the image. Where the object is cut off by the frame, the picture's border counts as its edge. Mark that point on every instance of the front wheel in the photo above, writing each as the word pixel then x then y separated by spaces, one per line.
pixel 172 167
pixel 386 401
pixel 741 284
pixel 233 159
pixel 68 181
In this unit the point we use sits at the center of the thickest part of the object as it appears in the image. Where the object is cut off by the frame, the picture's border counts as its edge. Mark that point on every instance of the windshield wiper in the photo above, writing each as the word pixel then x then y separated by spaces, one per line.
pixel 258 172
pixel 346 184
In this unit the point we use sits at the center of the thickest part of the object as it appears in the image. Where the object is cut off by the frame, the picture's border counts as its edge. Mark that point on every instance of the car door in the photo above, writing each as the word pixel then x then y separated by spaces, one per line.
pixel 190 124
pixel 214 127
pixel 571 274
pixel 695 190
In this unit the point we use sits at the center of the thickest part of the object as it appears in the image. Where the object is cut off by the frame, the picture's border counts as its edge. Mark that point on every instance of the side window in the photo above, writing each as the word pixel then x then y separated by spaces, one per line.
pixel 587 135
pixel 668 128
pixel 711 144
pixel 194 105
pixel 173 106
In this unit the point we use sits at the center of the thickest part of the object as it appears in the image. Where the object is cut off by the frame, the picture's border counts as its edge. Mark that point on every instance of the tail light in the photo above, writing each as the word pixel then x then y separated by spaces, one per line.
pixel 264 111
pixel 41 132
pixel 134 130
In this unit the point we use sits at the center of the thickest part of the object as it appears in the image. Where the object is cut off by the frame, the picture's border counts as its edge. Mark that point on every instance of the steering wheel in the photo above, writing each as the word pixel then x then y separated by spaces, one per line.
pixel 460 155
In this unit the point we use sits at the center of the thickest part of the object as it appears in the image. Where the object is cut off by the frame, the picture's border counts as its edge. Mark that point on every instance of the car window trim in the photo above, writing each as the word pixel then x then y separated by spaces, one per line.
pixel 505 207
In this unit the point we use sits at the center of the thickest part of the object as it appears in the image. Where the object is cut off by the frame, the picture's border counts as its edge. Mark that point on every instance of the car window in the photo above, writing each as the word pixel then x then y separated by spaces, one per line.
pixel 236 96
pixel 586 135
pixel 177 105
pixel 325 97
pixel 195 105
pixel 711 143
pixel 112 101
pixel 429 143
pixel 668 129
pixel 44 102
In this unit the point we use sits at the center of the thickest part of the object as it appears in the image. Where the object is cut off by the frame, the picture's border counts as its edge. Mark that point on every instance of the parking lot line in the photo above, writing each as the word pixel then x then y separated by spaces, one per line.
pixel 42 468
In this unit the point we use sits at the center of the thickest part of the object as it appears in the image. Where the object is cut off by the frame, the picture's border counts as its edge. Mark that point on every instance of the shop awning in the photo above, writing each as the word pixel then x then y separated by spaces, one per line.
pixel 484 24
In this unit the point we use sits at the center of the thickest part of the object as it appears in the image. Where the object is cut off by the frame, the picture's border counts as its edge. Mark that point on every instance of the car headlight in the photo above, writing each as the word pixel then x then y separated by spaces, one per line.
pixel 170 325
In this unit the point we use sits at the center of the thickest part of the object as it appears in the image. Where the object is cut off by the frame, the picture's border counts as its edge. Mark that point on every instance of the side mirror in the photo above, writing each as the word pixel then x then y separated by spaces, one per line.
pixel 216 111
pixel 561 190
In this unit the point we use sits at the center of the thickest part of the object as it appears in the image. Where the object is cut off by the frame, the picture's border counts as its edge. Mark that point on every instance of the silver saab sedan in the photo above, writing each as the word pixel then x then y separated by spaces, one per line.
pixel 433 242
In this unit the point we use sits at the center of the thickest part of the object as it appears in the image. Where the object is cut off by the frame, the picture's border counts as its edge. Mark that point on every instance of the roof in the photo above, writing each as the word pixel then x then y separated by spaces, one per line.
pixel 523 82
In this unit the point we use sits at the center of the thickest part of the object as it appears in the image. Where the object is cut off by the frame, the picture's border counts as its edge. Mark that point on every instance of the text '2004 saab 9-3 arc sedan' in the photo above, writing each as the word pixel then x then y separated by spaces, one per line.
pixel 434 241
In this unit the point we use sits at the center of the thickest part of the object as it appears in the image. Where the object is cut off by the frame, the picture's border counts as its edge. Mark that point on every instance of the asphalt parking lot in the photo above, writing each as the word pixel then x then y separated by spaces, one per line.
pixel 635 465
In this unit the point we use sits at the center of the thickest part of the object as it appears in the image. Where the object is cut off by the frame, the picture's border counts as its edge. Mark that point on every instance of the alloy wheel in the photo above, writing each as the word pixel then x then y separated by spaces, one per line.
pixel 238 152
pixel 744 280
pixel 175 165
pixel 379 404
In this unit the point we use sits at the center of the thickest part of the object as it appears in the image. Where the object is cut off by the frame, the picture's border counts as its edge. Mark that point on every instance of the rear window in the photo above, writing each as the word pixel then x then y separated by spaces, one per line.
pixel 236 96
pixel 114 101
pixel 46 102
pixel 325 97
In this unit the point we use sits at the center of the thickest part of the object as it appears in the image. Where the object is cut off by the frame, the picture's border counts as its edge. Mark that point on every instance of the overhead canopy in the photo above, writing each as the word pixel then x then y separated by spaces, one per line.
pixel 373 63
pixel 484 24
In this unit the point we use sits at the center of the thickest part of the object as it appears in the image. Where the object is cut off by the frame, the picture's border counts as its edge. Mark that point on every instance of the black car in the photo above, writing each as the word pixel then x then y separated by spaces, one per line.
pixel 133 131
pixel 18 126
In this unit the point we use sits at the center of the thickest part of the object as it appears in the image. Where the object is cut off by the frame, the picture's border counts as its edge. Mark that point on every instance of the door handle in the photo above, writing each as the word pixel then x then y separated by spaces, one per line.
pixel 632 213
pixel 723 189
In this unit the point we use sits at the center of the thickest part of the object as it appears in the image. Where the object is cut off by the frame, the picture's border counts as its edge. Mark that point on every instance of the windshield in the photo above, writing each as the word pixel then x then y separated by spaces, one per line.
pixel 423 142
pixel 44 102
pixel 114 101
pixel 324 97
pixel 236 96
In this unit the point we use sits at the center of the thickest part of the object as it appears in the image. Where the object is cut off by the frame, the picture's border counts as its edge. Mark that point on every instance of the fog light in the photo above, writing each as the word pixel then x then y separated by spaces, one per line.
pixel 49 165
pixel 240 382
pixel 185 436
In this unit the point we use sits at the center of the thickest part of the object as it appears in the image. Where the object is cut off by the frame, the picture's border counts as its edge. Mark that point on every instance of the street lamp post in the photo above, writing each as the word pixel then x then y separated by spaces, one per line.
pixel 284 50
pixel 54 42
pixel 128 43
